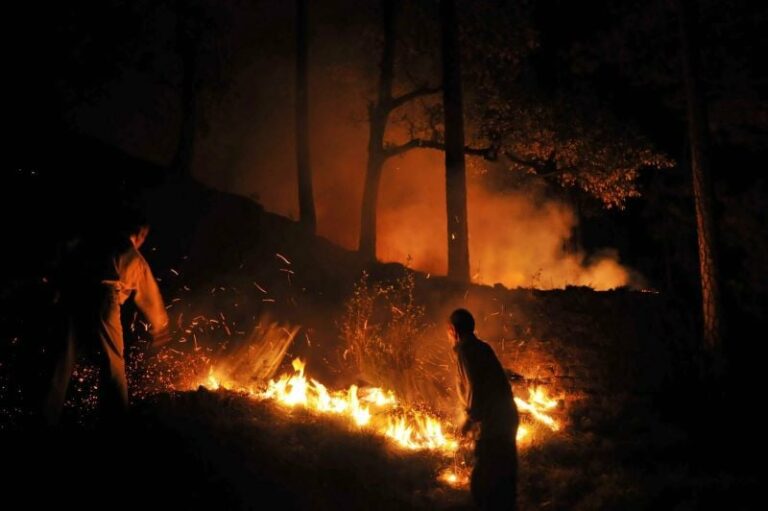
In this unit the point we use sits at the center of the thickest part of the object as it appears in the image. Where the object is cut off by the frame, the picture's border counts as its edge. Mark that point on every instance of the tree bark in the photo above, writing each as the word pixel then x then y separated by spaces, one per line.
pixel 367 246
pixel 307 216
pixel 455 172
pixel 378 114
pixel 698 133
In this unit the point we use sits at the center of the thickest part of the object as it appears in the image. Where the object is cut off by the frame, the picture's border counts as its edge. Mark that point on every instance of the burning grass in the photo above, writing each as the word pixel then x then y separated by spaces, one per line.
pixel 226 450
pixel 402 391
pixel 213 450
pixel 377 411
pixel 371 409
pixel 384 332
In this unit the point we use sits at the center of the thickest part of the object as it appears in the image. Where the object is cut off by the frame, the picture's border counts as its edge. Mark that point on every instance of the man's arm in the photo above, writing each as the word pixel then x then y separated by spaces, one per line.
pixel 468 384
pixel 150 302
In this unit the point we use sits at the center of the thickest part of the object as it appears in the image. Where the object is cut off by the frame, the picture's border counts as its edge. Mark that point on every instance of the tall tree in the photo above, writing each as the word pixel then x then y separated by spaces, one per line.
pixel 188 34
pixel 567 140
pixel 455 172
pixel 307 216
pixel 698 136
pixel 378 116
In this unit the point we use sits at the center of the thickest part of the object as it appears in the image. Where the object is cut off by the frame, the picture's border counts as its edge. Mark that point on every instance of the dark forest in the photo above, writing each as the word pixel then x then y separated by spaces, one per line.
pixel 384 254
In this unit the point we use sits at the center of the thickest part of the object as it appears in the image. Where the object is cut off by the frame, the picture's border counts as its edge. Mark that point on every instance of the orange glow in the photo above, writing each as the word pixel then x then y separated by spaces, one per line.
pixel 375 408
pixel 516 238
pixel 538 405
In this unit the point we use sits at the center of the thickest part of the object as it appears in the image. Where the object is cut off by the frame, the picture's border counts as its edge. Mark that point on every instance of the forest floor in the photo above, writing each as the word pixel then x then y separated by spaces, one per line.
pixel 635 441
pixel 223 450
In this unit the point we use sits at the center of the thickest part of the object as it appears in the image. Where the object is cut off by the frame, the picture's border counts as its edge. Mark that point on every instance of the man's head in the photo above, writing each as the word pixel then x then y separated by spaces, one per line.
pixel 134 225
pixel 461 325
pixel 138 237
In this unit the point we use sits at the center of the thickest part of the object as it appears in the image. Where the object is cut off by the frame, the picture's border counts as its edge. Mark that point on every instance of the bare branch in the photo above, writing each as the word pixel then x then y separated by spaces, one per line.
pixel 418 143
pixel 543 168
pixel 416 93
pixel 489 153
pixel 537 165
pixel 396 149
pixel 555 173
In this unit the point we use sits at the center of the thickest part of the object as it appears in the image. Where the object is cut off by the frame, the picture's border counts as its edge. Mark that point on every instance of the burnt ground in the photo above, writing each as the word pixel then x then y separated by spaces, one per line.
pixel 643 430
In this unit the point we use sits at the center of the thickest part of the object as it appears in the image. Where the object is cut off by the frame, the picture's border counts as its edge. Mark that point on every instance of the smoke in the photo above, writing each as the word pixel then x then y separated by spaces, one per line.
pixel 247 147
pixel 522 242
pixel 516 238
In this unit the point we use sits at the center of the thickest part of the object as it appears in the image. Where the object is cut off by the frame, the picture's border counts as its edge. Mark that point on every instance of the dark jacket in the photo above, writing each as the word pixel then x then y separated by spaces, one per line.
pixel 485 390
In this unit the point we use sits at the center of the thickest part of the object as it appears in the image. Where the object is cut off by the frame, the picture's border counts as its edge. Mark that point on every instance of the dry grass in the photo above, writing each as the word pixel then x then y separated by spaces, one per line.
pixel 382 328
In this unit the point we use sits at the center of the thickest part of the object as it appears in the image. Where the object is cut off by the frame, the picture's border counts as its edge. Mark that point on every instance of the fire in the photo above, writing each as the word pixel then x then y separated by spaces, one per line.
pixel 523 433
pixel 455 477
pixel 420 431
pixel 213 382
pixel 538 405
pixel 379 410
pixel 375 408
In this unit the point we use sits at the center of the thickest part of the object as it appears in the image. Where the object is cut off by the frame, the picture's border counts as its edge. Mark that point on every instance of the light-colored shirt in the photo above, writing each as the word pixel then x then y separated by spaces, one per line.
pixel 133 275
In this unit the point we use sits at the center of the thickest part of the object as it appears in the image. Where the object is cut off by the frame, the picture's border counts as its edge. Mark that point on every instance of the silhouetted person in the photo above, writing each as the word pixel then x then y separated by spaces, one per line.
pixel 98 276
pixel 487 397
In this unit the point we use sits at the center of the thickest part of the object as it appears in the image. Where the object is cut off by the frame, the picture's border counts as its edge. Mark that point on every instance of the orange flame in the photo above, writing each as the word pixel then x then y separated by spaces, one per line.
pixel 378 409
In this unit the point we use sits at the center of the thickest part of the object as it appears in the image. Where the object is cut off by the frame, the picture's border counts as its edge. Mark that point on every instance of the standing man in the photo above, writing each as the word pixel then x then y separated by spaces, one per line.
pixel 487 398
pixel 98 276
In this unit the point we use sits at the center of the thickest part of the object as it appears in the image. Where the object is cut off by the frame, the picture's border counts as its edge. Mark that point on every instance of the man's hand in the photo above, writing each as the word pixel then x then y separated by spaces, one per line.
pixel 467 428
pixel 468 432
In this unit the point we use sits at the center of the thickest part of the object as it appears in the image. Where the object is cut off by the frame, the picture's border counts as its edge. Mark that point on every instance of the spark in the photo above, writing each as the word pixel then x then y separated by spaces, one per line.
pixel 283 258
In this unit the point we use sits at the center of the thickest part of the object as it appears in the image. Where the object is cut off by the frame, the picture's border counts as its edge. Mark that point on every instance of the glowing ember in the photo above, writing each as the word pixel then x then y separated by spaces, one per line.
pixel 455 477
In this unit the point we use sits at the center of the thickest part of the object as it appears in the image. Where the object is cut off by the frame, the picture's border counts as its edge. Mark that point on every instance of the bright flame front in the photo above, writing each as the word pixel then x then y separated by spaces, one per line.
pixel 375 408
pixel 379 410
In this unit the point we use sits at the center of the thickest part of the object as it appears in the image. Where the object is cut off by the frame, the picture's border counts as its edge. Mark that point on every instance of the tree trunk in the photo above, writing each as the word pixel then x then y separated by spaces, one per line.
pixel 378 114
pixel 698 133
pixel 307 217
pixel 187 44
pixel 367 246
pixel 455 173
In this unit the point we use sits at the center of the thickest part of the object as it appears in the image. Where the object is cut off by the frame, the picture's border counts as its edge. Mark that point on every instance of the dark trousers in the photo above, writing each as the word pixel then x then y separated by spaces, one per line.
pixel 494 477
pixel 92 328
